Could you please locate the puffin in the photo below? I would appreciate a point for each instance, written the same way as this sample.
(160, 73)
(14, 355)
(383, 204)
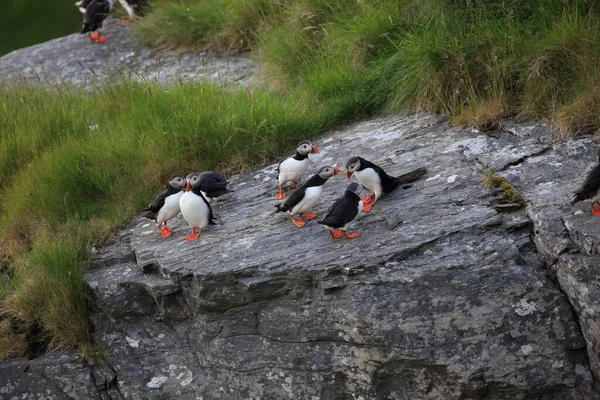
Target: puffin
(166, 205)
(213, 185)
(133, 8)
(292, 168)
(96, 12)
(373, 178)
(82, 5)
(343, 211)
(194, 207)
(305, 197)
(590, 187)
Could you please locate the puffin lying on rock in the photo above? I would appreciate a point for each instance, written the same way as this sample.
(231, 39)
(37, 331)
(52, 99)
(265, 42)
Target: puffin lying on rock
(213, 185)
(96, 12)
(343, 212)
(194, 207)
(292, 168)
(590, 187)
(304, 198)
(376, 179)
(166, 205)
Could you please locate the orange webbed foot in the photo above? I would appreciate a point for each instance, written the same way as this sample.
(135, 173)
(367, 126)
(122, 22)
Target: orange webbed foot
(368, 199)
(298, 222)
(166, 232)
(296, 185)
(94, 36)
(335, 234)
(193, 235)
(102, 39)
(310, 216)
(596, 208)
(123, 22)
(367, 207)
(280, 196)
(352, 235)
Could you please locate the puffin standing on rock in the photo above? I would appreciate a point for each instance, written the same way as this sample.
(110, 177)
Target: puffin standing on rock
(213, 185)
(590, 187)
(376, 179)
(96, 12)
(344, 211)
(304, 198)
(166, 205)
(194, 207)
(292, 168)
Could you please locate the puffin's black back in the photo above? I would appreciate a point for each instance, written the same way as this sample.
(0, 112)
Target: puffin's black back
(388, 182)
(213, 184)
(590, 186)
(95, 13)
(343, 211)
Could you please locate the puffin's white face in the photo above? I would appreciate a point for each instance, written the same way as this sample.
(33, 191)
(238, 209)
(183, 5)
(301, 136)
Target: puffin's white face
(328, 172)
(177, 181)
(305, 148)
(352, 166)
(192, 180)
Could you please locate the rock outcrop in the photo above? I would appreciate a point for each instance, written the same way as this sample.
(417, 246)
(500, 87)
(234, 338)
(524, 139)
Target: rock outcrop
(440, 298)
(75, 60)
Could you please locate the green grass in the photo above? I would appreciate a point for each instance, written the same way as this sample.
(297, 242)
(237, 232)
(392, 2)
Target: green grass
(75, 167)
(541, 57)
(66, 187)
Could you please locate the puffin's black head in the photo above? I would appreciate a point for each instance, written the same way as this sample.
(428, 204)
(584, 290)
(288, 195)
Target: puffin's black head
(192, 181)
(306, 147)
(327, 172)
(352, 165)
(353, 187)
(177, 181)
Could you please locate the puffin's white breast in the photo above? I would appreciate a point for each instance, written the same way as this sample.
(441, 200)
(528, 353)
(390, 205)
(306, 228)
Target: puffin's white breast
(370, 179)
(311, 196)
(170, 209)
(292, 170)
(194, 210)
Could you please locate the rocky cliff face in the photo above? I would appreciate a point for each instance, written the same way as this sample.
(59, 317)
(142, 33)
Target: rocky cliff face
(441, 297)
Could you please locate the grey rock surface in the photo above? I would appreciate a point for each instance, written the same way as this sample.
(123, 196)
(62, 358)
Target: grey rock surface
(441, 297)
(75, 60)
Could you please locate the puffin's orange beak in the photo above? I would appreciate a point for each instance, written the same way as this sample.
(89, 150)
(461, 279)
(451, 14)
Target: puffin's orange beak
(348, 174)
(336, 171)
(315, 149)
(188, 187)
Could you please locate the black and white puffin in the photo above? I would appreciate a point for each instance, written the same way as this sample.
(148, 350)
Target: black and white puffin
(373, 178)
(590, 187)
(213, 185)
(292, 168)
(194, 207)
(96, 12)
(82, 5)
(134, 8)
(343, 211)
(166, 205)
(305, 197)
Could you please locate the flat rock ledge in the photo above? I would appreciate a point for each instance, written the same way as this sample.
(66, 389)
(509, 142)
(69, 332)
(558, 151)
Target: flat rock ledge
(76, 61)
(441, 297)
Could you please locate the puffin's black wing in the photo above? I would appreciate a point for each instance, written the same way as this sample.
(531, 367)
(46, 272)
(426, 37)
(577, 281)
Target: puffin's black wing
(342, 212)
(156, 205)
(291, 202)
(213, 184)
(95, 13)
(590, 186)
